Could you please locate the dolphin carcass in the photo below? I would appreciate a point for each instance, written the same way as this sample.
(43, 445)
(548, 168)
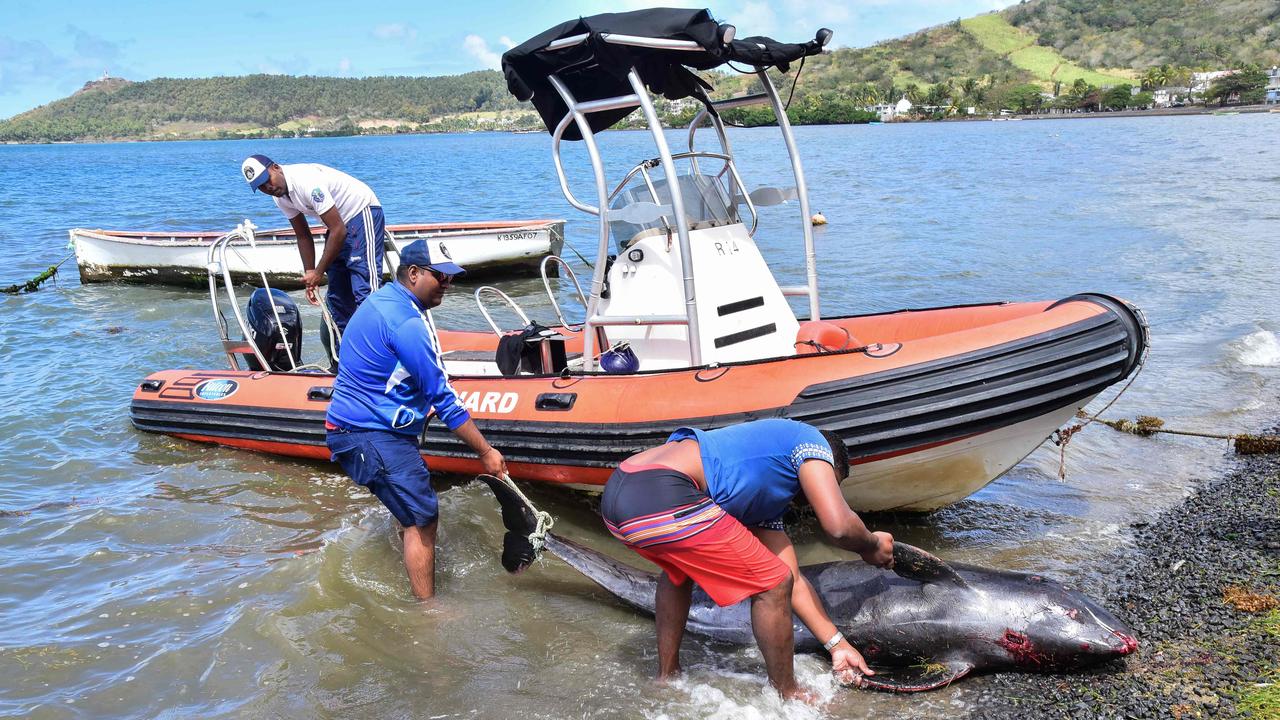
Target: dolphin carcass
(921, 626)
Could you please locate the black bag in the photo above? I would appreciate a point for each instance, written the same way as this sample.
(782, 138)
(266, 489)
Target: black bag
(521, 351)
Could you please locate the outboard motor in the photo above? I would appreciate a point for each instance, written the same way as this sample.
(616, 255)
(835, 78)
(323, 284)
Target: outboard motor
(271, 338)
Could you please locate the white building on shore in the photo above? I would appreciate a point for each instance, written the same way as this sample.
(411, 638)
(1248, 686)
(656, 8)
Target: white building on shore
(889, 111)
(1273, 86)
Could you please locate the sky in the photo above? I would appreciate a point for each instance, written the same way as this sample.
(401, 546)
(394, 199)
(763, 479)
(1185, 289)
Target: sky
(50, 49)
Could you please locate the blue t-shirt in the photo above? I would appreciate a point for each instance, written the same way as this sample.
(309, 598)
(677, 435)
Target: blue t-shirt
(753, 469)
(389, 371)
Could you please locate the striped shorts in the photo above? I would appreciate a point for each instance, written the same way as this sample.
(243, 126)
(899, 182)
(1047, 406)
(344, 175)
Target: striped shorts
(662, 515)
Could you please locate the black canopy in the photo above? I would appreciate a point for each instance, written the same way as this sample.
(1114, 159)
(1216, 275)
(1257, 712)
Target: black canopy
(595, 69)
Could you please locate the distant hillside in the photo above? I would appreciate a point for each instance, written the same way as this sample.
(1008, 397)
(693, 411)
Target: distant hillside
(256, 105)
(987, 61)
(1142, 33)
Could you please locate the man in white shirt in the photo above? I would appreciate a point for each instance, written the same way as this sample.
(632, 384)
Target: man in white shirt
(352, 216)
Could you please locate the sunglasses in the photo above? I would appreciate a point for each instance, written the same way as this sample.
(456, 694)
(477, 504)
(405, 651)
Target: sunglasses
(442, 278)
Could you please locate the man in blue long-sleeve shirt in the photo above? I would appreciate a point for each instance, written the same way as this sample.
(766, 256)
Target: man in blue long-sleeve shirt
(389, 378)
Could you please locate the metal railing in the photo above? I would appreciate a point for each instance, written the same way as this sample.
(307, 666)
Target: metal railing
(577, 115)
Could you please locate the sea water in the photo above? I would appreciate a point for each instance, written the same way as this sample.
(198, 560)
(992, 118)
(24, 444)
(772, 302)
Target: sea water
(146, 576)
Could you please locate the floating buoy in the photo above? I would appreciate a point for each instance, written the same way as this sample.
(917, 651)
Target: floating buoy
(818, 219)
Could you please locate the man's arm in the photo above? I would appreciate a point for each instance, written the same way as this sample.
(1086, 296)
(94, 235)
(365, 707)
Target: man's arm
(841, 524)
(306, 242)
(493, 462)
(335, 236)
(805, 603)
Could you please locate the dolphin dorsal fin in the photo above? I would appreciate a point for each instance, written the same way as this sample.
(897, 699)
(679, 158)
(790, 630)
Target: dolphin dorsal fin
(913, 563)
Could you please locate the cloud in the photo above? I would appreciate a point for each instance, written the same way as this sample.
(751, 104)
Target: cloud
(344, 66)
(478, 48)
(295, 65)
(403, 32)
(756, 18)
(26, 63)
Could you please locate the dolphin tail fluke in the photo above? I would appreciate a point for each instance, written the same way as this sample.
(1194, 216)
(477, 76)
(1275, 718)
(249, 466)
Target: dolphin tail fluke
(916, 678)
(913, 563)
(521, 520)
(633, 586)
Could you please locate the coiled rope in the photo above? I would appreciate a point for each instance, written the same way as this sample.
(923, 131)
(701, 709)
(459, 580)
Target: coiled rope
(538, 538)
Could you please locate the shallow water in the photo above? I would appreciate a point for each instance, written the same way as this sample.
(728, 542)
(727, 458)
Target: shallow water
(146, 576)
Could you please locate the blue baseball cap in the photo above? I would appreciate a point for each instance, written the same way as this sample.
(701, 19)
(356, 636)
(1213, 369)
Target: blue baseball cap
(419, 253)
(255, 172)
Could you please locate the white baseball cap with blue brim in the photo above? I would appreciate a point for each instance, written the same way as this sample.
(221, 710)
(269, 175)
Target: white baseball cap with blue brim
(254, 169)
(420, 253)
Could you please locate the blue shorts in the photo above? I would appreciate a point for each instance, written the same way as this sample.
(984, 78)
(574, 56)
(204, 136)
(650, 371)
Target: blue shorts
(389, 465)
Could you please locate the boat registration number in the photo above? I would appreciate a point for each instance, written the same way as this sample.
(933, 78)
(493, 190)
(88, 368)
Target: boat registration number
(526, 235)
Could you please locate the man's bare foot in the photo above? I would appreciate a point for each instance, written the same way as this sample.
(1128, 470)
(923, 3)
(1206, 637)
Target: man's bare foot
(668, 677)
(797, 692)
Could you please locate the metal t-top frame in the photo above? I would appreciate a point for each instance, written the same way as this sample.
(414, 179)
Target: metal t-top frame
(577, 114)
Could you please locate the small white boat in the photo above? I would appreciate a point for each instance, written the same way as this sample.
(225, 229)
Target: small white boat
(178, 258)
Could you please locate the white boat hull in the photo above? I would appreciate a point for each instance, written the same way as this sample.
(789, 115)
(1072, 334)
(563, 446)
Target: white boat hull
(935, 477)
(180, 258)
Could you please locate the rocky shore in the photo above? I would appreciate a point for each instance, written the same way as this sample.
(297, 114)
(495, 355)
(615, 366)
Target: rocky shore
(1200, 586)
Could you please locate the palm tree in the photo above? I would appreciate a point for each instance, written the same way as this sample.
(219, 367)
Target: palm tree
(1155, 77)
(912, 93)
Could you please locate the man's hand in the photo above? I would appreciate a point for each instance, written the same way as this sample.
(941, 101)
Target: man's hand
(882, 555)
(494, 463)
(311, 280)
(848, 665)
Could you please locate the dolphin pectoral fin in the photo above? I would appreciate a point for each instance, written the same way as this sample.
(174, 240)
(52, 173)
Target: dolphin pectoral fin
(913, 563)
(916, 678)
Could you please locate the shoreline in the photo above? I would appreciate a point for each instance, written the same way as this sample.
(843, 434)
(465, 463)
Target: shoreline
(1199, 586)
(1104, 114)
(1156, 112)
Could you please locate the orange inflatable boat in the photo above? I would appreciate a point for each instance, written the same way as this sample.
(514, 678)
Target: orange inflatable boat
(685, 325)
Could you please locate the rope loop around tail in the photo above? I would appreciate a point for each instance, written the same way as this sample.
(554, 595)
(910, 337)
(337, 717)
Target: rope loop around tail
(538, 538)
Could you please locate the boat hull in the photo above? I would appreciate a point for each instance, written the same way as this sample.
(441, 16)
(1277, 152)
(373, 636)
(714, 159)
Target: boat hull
(484, 248)
(943, 402)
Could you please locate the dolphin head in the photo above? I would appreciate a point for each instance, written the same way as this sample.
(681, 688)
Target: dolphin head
(1029, 622)
(1057, 627)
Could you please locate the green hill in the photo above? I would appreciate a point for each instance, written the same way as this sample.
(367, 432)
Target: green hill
(1144, 33)
(258, 105)
(996, 60)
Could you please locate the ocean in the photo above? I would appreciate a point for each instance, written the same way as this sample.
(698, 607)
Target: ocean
(145, 576)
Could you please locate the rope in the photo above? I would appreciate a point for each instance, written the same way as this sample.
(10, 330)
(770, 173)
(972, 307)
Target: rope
(1062, 436)
(34, 283)
(1244, 443)
(538, 538)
